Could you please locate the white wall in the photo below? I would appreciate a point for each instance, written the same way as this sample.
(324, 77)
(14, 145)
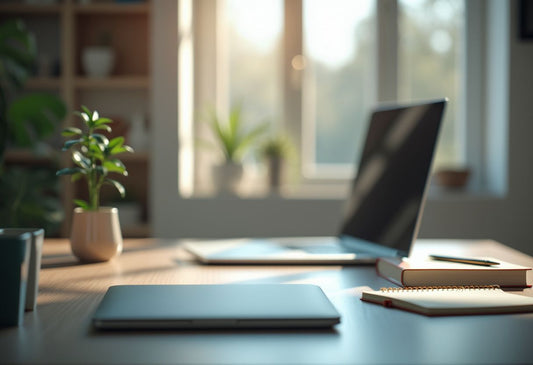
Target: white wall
(508, 219)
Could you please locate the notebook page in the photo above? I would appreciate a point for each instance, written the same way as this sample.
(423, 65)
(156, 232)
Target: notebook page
(459, 298)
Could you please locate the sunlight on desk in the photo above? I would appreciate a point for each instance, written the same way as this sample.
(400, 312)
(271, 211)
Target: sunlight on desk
(60, 331)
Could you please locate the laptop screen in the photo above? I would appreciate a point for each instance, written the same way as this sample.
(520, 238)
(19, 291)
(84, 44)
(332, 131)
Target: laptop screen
(389, 189)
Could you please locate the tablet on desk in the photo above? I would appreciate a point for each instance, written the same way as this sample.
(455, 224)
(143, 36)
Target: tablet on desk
(214, 306)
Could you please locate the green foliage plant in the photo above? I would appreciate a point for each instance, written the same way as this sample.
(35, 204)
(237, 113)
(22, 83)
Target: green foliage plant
(28, 194)
(94, 157)
(26, 118)
(232, 136)
(277, 146)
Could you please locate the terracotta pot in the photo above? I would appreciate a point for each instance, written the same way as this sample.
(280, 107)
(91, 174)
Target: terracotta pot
(96, 235)
(452, 178)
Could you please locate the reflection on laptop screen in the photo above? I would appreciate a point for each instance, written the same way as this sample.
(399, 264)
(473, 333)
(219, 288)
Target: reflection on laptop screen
(388, 192)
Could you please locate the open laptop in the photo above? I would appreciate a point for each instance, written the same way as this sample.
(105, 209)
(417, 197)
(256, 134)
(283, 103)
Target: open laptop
(383, 211)
(214, 306)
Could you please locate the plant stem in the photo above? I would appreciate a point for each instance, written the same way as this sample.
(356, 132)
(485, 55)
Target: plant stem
(94, 188)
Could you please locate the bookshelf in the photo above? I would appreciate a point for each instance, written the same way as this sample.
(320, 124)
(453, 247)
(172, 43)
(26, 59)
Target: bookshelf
(63, 29)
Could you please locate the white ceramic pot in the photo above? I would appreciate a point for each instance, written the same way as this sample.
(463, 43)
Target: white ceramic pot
(96, 235)
(98, 61)
(227, 177)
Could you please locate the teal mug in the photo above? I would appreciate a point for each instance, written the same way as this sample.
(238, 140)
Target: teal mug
(34, 268)
(14, 262)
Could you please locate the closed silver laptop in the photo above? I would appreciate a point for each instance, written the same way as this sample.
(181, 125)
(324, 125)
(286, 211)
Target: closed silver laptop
(214, 306)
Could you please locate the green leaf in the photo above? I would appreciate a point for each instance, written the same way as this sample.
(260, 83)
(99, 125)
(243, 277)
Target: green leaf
(69, 132)
(34, 117)
(117, 141)
(82, 204)
(18, 53)
(117, 185)
(102, 121)
(116, 146)
(100, 138)
(250, 137)
(83, 116)
(94, 117)
(81, 160)
(116, 165)
(86, 110)
(68, 171)
(77, 176)
(97, 150)
(121, 149)
(104, 127)
(71, 143)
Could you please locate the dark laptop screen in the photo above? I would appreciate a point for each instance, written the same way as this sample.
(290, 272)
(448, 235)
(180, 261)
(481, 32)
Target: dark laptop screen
(388, 192)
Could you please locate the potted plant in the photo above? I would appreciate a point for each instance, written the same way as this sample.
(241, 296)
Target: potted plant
(275, 150)
(95, 234)
(234, 140)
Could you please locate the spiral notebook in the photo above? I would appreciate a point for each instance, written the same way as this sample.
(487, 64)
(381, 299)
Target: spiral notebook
(446, 300)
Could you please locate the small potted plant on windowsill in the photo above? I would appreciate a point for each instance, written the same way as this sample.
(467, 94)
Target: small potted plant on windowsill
(95, 234)
(234, 140)
(276, 150)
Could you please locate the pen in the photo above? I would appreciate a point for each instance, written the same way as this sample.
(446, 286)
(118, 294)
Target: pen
(464, 260)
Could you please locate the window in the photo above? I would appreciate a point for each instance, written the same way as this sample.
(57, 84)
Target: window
(339, 49)
(249, 66)
(316, 68)
(430, 56)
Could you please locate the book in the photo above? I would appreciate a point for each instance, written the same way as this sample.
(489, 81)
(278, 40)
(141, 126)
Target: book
(445, 301)
(428, 272)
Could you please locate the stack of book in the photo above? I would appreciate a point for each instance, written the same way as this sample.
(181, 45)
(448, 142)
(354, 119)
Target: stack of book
(424, 272)
(433, 288)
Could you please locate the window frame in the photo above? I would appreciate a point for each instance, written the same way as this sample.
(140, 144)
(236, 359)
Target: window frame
(210, 83)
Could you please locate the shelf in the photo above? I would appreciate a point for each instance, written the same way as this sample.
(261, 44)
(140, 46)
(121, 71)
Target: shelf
(43, 83)
(29, 9)
(63, 29)
(113, 82)
(112, 8)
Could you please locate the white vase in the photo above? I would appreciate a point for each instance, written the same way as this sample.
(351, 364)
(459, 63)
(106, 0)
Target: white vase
(138, 134)
(98, 61)
(96, 235)
(227, 177)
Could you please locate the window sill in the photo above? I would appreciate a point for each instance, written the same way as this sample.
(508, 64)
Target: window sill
(340, 190)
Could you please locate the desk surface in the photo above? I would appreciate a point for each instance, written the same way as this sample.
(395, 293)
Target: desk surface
(59, 331)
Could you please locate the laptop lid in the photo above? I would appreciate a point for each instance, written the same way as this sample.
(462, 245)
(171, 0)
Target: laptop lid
(388, 193)
(214, 306)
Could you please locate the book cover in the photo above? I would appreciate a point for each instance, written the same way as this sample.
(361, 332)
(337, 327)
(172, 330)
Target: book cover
(428, 272)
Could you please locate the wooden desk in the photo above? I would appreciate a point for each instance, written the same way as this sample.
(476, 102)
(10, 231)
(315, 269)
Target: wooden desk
(59, 331)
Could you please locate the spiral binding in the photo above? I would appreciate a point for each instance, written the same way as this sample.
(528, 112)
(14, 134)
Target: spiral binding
(440, 288)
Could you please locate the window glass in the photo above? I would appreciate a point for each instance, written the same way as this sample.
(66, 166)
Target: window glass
(339, 82)
(430, 54)
(253, 44)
